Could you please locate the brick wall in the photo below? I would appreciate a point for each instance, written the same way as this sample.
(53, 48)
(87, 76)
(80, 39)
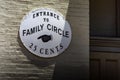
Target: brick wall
(15, 64)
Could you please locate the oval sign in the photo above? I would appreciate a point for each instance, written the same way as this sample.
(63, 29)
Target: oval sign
(45, 32)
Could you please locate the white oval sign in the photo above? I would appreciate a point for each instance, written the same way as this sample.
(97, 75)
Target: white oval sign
(45, 33)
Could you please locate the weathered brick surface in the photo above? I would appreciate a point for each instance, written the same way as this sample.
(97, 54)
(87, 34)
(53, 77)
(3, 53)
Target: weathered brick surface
(14, 65)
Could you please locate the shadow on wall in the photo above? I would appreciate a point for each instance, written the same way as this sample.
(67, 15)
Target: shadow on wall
(72, 65)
